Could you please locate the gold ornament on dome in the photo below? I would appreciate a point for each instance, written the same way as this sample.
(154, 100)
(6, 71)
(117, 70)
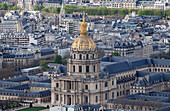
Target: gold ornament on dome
(83, 42)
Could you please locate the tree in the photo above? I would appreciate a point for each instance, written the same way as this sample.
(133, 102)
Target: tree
(43, 64)
(64, 60)
(36, 7)
(15, 7)
(45, 10)
(4, 6)
(115, 54)
(58, 59)
(123, 11)
(57, 10)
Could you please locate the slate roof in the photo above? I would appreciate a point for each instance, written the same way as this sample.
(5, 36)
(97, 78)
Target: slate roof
(39, 84)
(8, 84)
(119, 59)
(118, 67)
(24, 93)
(133, 62)
(154, 77)
(27, 78)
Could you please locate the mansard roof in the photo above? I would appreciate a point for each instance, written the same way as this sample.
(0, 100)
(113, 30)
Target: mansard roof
(8, 84)
(118, 67)
(27, 78)
(137, 63)
(146, 78)
(24, 93)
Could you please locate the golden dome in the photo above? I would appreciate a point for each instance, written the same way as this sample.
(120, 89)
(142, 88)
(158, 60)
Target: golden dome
(83, 42)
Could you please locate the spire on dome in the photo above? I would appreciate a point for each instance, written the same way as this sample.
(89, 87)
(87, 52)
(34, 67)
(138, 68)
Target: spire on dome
(83, 31)
(83, 16)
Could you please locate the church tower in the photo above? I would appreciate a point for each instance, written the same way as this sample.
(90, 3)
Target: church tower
(62, 11)
(84, 61)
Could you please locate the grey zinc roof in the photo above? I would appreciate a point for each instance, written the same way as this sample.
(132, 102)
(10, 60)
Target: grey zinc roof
(118, 67)
(18, 79)
(25, 93)
(8, 84)
(120, 59)
(161, 61)
(39, 84)
(27, 78)
(154, 77)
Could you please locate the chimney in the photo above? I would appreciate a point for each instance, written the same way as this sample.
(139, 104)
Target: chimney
(132, 36)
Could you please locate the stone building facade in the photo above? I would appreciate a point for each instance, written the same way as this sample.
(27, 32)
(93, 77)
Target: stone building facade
(84, 83)
(93, 80)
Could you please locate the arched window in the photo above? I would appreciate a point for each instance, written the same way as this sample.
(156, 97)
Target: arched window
(57, 85)
(57, 97)
(80, 56)
(74, 56)
(87, 56)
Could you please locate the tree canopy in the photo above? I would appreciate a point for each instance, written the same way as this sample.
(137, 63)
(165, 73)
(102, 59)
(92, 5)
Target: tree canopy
(58, 59)
(43, 64)
(4, 6)
(103, 10)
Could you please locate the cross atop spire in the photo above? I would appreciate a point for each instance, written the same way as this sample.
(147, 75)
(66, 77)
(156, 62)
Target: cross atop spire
(62, 4)
(83, 16)
(83, 31)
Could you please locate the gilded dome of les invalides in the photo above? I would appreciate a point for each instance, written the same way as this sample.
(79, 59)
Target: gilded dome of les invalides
(83, 43)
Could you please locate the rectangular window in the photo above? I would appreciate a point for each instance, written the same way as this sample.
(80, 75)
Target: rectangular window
(105, 96)
(105, 84)
(57, 85)
(112, 95)
(73, 68)
(94, 68)
(96, 99)
(80, 68)
(87, 68)
(86, 99)
(96, 86)
(112, 82)
(86, 87)
(57, 98)
(74, 56)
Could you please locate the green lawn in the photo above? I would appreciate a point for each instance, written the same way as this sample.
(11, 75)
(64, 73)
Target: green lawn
(33, 109)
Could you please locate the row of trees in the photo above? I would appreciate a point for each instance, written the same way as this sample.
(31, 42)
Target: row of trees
(4, 6)
(49, 9)
(103, 10)
(58, 60)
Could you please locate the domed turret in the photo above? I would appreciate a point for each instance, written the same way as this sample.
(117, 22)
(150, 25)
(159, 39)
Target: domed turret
(83, 43)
